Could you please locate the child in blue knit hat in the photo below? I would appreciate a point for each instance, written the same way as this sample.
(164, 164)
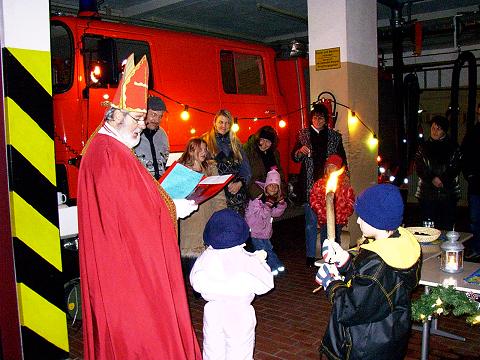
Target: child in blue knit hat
(370, 292)
(229, 277)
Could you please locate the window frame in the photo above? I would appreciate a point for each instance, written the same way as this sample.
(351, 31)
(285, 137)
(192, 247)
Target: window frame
(72, 57)
(235, 56)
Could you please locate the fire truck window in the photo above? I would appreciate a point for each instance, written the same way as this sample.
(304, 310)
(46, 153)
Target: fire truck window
(98, 58)
(62, 58)
(109, 54)
(228, 72)
(242, 73)
(124, 47)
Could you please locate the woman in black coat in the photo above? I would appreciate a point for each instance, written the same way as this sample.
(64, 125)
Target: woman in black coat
(262, 154)
(437, 163)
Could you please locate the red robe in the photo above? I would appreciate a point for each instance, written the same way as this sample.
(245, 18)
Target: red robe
(133, 293)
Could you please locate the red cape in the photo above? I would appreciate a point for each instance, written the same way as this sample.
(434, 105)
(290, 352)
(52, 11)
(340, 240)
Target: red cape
(133, 293)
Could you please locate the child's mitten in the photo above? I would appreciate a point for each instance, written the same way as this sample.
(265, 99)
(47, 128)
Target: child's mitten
(326, 274)
(270, 201)
(333, 253)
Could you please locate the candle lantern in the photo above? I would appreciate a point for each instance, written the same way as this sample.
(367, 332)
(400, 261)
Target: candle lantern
(452, 254)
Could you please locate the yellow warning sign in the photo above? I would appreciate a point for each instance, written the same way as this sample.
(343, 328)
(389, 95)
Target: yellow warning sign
(327, 59)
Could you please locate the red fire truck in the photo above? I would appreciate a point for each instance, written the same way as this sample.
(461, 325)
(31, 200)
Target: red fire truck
(201, 73)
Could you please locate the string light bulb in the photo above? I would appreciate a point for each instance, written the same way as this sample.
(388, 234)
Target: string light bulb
(193, 131)
(185, 115)
(373, 141)
(282, 123)
(352, 119)
(235, 126)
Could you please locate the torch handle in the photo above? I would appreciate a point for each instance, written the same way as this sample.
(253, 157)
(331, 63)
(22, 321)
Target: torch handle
(330, 216)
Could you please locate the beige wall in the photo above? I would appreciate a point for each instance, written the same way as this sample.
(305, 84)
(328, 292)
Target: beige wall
(356, 86)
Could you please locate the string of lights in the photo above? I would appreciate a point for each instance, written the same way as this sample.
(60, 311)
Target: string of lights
(188, 107)
(355, 115)
(185, 115)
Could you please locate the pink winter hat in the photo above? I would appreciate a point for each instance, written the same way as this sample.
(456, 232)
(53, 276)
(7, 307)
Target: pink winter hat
(273, 177)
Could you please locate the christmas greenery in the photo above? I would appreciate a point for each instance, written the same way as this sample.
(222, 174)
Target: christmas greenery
(443, 300)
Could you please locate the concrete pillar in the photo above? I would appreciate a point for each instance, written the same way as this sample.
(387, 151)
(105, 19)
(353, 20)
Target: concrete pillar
(351, 26)
(32, 309)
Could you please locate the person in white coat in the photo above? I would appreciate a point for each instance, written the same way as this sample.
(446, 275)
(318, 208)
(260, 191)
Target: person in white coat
(228, 277)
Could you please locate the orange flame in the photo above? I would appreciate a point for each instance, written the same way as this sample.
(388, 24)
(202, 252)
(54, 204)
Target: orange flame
(333, 180)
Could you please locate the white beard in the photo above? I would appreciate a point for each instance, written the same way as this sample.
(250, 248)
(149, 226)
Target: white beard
(129, 141)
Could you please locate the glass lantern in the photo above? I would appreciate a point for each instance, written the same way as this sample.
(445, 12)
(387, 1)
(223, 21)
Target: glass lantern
(452, 254)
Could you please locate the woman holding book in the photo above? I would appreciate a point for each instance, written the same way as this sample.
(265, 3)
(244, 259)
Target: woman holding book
(226, 148)
(197, 158)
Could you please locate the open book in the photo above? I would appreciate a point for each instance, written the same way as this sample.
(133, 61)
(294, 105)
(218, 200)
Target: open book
(181, 182)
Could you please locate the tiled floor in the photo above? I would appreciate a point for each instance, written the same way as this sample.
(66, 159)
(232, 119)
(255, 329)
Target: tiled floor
(292, 320)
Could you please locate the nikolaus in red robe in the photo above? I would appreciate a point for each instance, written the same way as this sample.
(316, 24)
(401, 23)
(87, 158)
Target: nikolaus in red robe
(133, 293)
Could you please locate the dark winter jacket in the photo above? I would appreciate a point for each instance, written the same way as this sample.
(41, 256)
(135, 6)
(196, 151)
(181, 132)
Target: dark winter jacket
(312, 166)
(441, 158)
(371, 307)
(470, 161)
(259, 173)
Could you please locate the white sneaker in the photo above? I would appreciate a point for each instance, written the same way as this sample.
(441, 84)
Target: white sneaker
(281, 268)
(274, 272)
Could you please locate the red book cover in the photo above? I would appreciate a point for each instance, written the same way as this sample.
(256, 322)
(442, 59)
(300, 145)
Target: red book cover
(209, 187)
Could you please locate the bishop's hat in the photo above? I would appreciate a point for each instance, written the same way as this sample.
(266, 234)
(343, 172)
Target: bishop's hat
(132, 91)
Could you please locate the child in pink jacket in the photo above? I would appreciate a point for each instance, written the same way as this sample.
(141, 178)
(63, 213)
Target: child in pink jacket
(259, 216)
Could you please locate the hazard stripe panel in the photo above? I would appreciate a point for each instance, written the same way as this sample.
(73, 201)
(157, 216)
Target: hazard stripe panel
(20, 133)
(35, 231)
(30, 184)
(35, 347)
(36, 62)
(33, 207)
(39, 275)
(42, 317)
(25, 90)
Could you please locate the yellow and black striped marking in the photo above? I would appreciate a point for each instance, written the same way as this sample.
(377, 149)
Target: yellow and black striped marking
(33, 207)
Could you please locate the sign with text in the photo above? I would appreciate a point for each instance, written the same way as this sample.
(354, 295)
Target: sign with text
(326, 59)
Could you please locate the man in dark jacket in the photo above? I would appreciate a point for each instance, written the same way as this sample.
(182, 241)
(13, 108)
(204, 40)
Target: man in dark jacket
(314, 144)
(370, 293)
(437, 163)
(153, 148)
(471, 172)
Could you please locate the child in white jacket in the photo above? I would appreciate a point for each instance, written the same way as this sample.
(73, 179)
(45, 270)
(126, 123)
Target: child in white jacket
(228, 277)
